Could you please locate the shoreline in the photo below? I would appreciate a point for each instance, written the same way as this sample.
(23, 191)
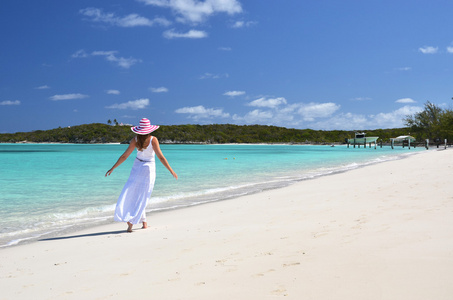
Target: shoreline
(188, 201)
(431, 146)
(167, 142)
(383, 231)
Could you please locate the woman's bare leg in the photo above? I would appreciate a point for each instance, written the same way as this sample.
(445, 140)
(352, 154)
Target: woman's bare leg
(145, 225)
(129, 227)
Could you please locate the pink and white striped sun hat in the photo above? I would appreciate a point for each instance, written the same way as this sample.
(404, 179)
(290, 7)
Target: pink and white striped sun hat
(145, 127)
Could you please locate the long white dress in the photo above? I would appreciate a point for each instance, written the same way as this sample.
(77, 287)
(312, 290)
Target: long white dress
(137, 191)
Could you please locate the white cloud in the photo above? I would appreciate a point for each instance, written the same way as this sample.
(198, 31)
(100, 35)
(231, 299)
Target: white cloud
(191, 34)
(404, 69)
(395, 118)
(225, 48)
(159, 89)
(240, 24)
(135, 20)
(125, 63)
(68, 97)
(200, 112)
(111, 56)
(405, 100)
(108, 54)
(214, 76)
(9, 102)
(135, 104)
(80, 54)
(234, 93)
(450, 49)
(196, 11)
(350, 121)
(113, 92)
(278, 112)
(317, 110)
(428, 50)
(43, 87)
(362, 99)
(270, 103)
(321, 116)
(132, 20)
(343, 121)
(256, 116)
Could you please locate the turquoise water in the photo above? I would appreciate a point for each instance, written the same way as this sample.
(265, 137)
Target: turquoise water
(50, 189)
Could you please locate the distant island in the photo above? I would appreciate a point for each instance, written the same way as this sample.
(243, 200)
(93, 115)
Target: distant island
(194, 134)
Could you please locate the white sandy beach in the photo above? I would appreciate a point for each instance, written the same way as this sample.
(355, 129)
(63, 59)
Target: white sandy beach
(380, 232)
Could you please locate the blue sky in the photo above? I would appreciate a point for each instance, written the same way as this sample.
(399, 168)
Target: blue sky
(324, 64)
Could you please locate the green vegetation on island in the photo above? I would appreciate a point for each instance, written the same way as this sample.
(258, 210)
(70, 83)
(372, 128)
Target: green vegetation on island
(432, 123)
(210, 134)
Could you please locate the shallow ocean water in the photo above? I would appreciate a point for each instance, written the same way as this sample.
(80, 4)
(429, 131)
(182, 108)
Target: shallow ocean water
(49, 189)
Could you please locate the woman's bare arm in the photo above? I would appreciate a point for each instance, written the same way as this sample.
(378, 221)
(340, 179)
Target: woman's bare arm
(123, 157)
(160, 155)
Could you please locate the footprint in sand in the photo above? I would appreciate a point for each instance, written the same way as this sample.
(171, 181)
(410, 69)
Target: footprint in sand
(291, 264)
(263, 254)
(280, 291)
(263, 273)
(320, 234)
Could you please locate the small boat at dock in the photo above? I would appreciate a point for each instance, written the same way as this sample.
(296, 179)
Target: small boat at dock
(361, 138)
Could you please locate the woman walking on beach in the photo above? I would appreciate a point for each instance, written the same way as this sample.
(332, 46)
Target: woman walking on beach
(136, 192)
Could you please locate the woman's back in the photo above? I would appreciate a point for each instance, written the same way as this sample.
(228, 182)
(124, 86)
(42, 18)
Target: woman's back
(147, 154)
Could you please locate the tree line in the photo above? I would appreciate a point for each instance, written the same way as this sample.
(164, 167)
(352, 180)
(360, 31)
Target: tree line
(434, 123)
(209, 134)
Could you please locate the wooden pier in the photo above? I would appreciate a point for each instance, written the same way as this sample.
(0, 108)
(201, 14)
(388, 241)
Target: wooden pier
(403, 140)
(364, 142)
(361, 139)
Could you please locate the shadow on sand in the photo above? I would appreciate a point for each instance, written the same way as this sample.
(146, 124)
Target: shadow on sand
(83, 235)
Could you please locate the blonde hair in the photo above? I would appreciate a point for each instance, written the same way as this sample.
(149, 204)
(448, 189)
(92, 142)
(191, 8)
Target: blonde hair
(141, 139)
